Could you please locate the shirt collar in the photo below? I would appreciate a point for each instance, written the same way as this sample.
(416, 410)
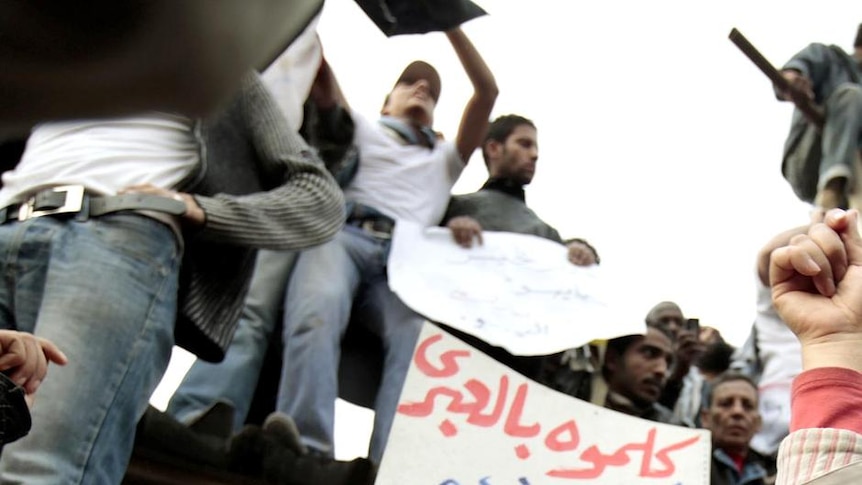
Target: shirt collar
(410, 134)
(507, 186)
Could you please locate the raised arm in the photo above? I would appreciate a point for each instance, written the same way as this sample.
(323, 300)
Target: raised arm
(325, 91)
(477, 112)
(817, 289)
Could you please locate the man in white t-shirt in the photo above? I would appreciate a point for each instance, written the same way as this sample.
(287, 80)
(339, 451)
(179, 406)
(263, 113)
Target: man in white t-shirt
(405, 173)
(124, 236)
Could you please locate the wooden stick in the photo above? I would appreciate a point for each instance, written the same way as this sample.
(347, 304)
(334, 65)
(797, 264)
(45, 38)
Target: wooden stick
(811, 111)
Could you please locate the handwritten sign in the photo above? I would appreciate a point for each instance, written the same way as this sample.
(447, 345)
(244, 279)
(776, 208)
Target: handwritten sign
(516, 291)
(465, 419)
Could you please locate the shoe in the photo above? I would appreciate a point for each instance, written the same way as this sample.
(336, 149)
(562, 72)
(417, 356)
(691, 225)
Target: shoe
(260, 453)
(216, 421)
(281, 427)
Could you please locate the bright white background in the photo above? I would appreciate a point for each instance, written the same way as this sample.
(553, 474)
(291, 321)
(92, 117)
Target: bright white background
(660, 142)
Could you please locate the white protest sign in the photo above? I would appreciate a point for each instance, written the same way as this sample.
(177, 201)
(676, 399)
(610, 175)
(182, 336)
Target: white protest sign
(464, 419)
(515, 291)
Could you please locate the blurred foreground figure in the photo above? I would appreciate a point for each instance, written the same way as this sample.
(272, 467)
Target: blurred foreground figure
(104, 58)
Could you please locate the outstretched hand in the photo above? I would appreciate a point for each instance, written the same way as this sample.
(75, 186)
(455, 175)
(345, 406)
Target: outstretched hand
(817, 289)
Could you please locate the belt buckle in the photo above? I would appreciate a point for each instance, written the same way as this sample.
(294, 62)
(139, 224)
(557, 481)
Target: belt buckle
(73, 202)
(368, 227)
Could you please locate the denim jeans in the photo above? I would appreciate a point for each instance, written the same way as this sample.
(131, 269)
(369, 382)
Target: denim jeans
(233, 380)
(319, 297)
(842, 134)
(105, 291)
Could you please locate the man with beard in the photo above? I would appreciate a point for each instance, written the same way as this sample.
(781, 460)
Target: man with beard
(636, 368)
(683, 388)
(510, 151)
(731, 414)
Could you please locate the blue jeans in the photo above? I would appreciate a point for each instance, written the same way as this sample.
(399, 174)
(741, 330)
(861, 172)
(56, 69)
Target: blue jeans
(319, 297)
(234, 379)
(105, 291)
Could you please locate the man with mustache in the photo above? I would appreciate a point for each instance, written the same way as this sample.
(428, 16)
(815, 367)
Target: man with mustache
(636, 368)
(731, 414)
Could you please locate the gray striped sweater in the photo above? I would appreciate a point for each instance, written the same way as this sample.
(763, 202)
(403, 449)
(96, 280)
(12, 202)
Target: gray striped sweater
(260, 186)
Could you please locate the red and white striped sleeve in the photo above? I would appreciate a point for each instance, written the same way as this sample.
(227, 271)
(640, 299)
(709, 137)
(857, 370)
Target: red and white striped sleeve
(826, 425)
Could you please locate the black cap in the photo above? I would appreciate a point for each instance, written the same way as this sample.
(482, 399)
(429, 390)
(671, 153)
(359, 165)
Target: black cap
(858, 42)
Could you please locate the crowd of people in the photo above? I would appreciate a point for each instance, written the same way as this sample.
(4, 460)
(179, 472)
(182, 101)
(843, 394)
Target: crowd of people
(266, 226)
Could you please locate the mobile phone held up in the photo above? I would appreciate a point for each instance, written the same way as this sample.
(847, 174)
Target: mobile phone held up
(693, 325)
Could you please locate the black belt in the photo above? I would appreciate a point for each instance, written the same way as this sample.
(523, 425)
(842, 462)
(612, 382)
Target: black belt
(72, 199)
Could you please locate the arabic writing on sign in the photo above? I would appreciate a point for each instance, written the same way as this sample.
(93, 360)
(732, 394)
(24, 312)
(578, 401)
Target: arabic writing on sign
(538, 301)
(480, 404)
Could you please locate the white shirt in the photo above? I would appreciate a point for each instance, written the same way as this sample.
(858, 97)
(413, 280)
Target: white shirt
(105, 155)
(404, 182)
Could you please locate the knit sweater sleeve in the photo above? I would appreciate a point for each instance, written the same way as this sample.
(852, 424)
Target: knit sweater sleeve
(304, 209)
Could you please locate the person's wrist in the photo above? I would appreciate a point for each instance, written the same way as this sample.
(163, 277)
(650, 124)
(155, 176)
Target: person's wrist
(833, 351)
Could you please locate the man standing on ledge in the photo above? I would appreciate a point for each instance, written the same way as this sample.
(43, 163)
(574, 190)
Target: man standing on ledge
(405, 173)
(830, 77)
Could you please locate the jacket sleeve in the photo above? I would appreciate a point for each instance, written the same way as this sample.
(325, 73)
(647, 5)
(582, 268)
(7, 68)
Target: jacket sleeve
(814, 62)
(825, 425)
(305, 208)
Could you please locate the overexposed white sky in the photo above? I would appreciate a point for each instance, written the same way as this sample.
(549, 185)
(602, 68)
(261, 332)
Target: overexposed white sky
(660, 143)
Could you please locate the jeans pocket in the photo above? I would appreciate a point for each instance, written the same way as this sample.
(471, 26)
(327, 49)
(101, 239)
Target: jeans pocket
(141, 239)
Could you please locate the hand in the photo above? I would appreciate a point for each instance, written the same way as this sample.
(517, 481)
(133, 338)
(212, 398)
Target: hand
(464, 230)
(801, 90)
(817, 290)
(687, 349)
(709, 336)
(25, 358)
(193, 215)
(580, 254)
(323, 90)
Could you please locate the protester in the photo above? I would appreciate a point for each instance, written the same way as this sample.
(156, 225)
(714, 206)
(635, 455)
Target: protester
(398, 154)
(730, 413)
(636, 368)
(684, 386)
(511, 153)
(817, 289)
(716, 356)
(199, 396)
(105, 59)
(830, 77)
(94, 258)
(771, 356)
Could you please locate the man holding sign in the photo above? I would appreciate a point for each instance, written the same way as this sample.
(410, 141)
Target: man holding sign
(510, 150)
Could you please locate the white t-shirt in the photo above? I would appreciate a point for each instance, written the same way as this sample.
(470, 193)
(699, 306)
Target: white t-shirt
(781, 356)
(290, 77)
(105, 155)
(404, 182)
(780, 351)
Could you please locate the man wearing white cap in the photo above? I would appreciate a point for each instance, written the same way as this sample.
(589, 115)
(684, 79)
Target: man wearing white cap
(405, 173)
